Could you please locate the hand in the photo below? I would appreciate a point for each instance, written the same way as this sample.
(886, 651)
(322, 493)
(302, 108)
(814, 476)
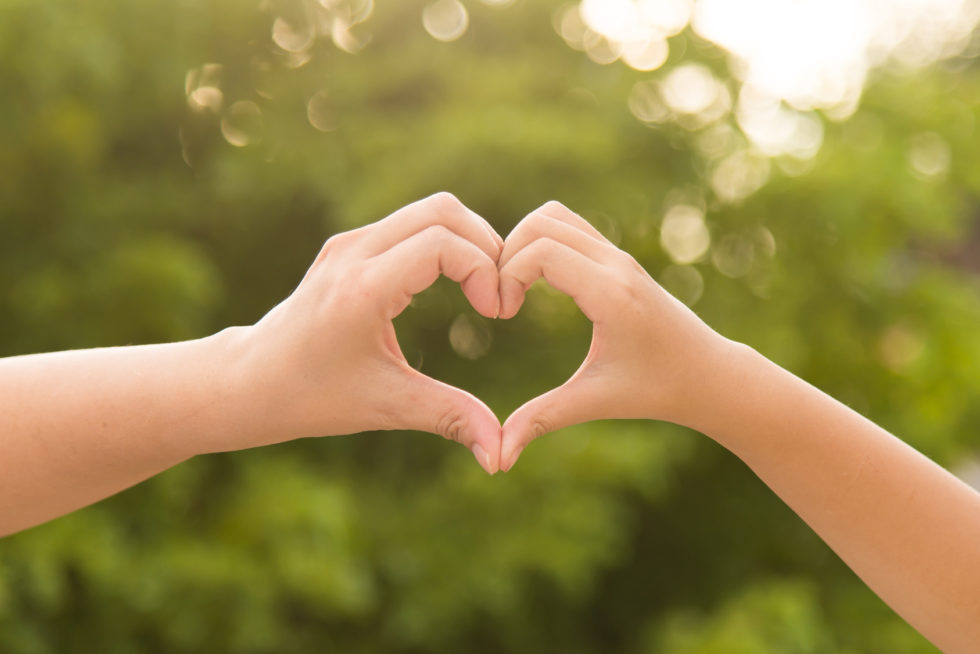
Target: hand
(326, 360)
(649, 353)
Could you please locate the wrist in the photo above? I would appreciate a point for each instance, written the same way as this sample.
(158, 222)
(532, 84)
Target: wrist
(713, 389)
(746, 400)
(238, 414)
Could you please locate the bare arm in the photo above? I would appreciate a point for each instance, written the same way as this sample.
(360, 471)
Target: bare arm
(906, 526)
(78, 426)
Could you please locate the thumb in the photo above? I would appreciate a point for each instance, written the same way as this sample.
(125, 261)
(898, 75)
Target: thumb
(569, 404)
(430, 405)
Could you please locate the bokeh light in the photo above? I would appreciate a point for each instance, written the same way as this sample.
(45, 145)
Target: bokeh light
(202, 87)
(675, 146)
(683, 282)
(241, 124)
(635, 31)
(733, 255)
(319, 112)
(445, 20)
(899, 347)
(775, 129)
(333, 19)
(469, 337)
(929, 156)
(684, 234)
(695, 95)
(788, 60)
(739, 175)
(292, 37)
(817, 53)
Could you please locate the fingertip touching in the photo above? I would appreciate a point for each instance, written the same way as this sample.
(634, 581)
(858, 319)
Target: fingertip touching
(463, 418)
(451, 209)
(526, 424)
(480, 432)
(512, 293)
(481, 289)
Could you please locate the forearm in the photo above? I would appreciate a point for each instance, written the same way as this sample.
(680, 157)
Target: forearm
(906, 526)
(909, 528)
(78, 426)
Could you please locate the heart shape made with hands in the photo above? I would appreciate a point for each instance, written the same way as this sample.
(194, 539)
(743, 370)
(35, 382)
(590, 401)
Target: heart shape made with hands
(555, 244)
(534, 351)
(648, 350)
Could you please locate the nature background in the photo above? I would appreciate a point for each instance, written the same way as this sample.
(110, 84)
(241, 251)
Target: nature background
(806, 175)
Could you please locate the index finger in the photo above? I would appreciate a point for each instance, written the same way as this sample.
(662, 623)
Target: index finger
(414, 264)
(566, 269)
(439, 209)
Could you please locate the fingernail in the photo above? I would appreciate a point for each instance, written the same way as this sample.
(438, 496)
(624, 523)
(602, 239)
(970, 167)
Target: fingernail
(513, 459)
(482, 457)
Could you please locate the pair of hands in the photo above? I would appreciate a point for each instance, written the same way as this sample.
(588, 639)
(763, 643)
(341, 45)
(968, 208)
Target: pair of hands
(326, 360)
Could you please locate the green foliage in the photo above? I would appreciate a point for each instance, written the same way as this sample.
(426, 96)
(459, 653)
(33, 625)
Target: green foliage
(126, 216)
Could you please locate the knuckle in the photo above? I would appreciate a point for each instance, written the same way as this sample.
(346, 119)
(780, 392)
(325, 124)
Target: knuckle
(630, 266)
(636, 278)
(542, 246)
(621, 294)
(538, 224)
(437, 235)
(540, 426)
(444, 201)
(554, 207)
(630, 295)
(530, 257)
(340, 241)
(355, 290)
(451, 426)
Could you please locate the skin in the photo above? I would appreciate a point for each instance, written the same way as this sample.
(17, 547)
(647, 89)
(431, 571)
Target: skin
(905, 525)
(78, 426)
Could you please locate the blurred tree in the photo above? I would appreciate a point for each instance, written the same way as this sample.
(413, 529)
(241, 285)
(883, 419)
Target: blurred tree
(172, 168)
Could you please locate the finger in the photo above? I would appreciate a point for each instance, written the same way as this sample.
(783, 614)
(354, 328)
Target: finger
(439, 209)
(558, 211)
(538, 225)
(570, 404)
(583, 279)
(426, 404)
(414, 264)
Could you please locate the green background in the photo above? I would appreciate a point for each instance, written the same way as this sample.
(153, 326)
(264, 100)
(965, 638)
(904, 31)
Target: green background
(126, 217)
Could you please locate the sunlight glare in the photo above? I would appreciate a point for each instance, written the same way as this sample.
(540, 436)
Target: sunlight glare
(692, 90)
(775, 129)
(646, 55)
(635, 31)
(791, 59)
